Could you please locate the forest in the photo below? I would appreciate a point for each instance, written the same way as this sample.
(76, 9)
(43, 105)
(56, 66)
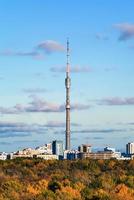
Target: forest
(37, 179)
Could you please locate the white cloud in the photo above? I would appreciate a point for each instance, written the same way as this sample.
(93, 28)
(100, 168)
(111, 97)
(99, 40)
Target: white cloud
(75, 69)
(126, 31)
(38, 105)
(50, 46)
(117, 101)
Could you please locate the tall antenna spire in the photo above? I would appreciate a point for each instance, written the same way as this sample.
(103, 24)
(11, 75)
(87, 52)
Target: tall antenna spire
(68, 67)
(67, 84)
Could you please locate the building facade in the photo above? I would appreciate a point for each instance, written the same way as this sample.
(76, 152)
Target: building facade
(130, 148)
(85, 148)
(57, 147)
(3, 156)
(99, 155)
(47, 149)
(47, 156)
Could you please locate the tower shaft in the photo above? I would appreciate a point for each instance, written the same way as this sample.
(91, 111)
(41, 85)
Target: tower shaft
(67, 84)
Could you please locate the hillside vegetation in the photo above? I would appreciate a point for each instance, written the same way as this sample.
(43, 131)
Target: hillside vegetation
(31, 179)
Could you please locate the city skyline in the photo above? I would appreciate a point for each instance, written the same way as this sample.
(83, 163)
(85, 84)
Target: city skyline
(33, 66)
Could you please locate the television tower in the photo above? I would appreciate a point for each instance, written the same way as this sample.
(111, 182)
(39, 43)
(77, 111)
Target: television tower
(67, 84)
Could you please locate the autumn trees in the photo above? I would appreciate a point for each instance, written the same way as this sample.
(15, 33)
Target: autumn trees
(37, 179)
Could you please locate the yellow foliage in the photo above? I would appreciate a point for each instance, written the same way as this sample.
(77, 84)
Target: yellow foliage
(32, 190)
(38, 188)
(41, 185)
(66, 180)
(73, 193)
(101, 193)
(79, 186)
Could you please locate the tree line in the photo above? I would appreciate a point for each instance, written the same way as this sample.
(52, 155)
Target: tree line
(37, 179)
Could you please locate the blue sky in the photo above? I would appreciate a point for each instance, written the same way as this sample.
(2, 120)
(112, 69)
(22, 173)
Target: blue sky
(32, 64)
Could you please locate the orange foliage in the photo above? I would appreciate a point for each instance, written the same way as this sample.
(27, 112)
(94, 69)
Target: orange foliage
(123, 192)
(111, 164)
(131, 164)
(41, 185)
(32, 190)
(37, 188)
(69, 191)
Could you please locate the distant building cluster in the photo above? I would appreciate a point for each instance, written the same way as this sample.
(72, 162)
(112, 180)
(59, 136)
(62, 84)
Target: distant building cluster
(55, 151)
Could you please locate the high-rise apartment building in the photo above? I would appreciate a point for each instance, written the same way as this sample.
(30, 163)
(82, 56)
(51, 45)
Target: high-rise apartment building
(130, 148)
(57, 147)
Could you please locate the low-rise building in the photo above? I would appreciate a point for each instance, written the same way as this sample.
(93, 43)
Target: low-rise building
(124, 158)
(47, 149)
(86, 148)
(27, 151)
(116, 154)
(98, 155)
(3, 156)
(47, 156)
(22, 156)
(71, 154)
